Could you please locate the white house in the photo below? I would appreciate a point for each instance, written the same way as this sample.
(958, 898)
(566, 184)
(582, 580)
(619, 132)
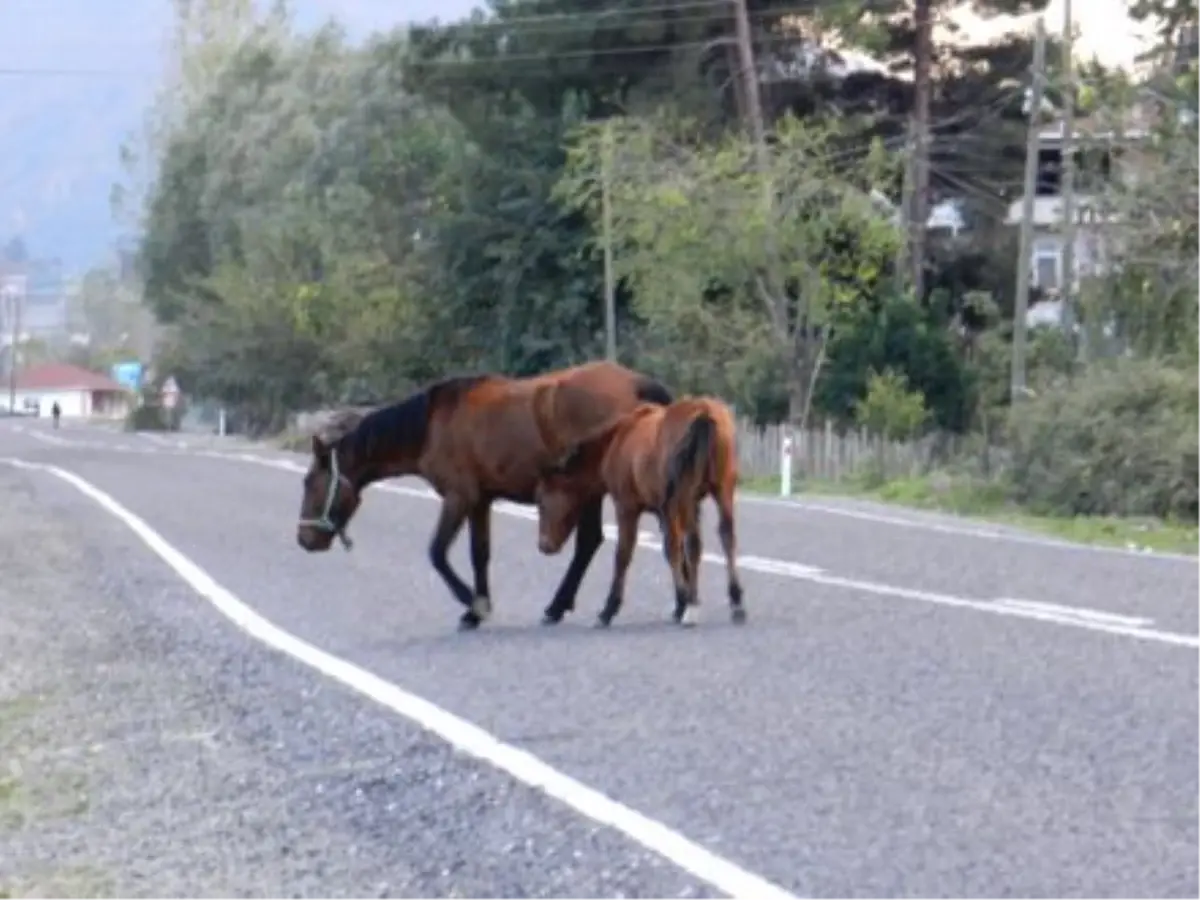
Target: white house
(80, 394)
(1091, 250)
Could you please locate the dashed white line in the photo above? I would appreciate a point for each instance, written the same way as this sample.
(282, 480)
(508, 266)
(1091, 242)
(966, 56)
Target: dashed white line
(464, 736)
(1078, 612)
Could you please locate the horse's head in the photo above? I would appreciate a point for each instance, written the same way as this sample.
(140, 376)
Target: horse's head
(560, 493)
(331, 495)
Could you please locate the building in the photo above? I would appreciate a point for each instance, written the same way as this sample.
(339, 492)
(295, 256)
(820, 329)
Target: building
(1099, 160)
(80, 394)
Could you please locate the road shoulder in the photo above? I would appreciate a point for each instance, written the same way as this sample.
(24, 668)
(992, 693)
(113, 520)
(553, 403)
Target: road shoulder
(148, 749)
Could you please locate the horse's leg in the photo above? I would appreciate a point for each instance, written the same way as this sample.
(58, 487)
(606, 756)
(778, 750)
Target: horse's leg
(726, 532)
(676, 551)
(627, 532)
(589, 535)
(480, 523)
(449, 523)
(664, 535)
(692, 549)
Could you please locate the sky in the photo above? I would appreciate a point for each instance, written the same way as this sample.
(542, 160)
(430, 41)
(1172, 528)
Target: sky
(60, 131)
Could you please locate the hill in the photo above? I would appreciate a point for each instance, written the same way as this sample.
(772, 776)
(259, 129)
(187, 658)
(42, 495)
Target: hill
(75, 78)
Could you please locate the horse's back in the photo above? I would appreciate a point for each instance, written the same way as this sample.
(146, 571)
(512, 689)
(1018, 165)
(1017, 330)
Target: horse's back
(574, 404)
(501, 430)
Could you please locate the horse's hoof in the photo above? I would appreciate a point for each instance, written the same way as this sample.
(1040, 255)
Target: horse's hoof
(602, 622)
(737, 615)
(551, 618)
(689, 618)
(468, 621)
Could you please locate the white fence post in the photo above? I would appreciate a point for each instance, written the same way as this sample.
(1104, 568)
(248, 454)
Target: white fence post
(785, 464)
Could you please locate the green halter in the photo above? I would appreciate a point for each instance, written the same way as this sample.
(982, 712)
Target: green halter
(325, 521)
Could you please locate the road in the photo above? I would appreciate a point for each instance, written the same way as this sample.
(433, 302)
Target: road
(918, 706)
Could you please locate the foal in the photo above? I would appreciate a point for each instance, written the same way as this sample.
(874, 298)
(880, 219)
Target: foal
(660, 459)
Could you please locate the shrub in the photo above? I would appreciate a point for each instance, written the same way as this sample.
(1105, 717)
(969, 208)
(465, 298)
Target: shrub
(146, 417)
(890, 409)
(1120, 439)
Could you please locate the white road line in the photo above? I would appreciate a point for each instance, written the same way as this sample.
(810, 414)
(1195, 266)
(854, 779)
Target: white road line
(1029, 610)
(965, 530)
(1078, 612)
(462, 735)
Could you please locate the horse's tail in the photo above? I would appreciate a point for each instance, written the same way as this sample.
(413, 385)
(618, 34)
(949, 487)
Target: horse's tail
(689, 464)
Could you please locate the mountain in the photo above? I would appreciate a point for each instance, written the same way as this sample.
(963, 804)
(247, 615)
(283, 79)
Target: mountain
(75, 79)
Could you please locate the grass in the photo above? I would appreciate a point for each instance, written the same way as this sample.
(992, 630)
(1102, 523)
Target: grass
(34, 792)
(37, 791)
(988, 502)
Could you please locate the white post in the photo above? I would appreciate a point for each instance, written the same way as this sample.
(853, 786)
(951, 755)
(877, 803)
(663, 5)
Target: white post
(785, 465)
(221, 422)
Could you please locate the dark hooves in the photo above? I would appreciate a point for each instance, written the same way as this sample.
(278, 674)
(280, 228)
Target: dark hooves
(602, 622)
(469, 621)
(551, 618)
(738, 615)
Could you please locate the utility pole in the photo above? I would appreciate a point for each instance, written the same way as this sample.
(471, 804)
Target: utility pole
(923, 19)
(749, 75)
(906, 211)
(610, 287)
(1070, 306)
(1037, 77)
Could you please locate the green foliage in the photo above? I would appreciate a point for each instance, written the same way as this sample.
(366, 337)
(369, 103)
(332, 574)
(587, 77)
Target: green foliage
(889, 408)
(897, 335)
(147, 417)
(738, 260)
(1121, 440)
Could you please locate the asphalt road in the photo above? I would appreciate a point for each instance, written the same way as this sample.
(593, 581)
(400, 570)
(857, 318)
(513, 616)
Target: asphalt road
(918, 707)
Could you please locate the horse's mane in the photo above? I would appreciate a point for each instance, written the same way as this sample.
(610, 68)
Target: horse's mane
(404, 423)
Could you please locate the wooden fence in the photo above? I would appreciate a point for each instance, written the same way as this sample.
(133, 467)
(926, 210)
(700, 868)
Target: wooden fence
(821, 454)
(824, 454)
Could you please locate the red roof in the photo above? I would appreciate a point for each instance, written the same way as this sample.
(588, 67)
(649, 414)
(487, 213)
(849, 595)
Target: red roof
(64, 377)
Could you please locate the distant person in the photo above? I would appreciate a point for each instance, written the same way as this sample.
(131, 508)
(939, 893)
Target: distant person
(55, 411)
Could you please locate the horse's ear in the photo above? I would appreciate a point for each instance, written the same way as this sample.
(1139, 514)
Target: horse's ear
(320, 449)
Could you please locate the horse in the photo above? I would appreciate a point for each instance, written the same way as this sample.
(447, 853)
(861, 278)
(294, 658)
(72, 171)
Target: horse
(474, 439)
(659, 459)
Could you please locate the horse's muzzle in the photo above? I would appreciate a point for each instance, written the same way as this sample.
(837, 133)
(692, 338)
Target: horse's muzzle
(312, 542)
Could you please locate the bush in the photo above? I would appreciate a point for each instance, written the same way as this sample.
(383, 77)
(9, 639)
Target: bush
(146, 418)
(1120, 439)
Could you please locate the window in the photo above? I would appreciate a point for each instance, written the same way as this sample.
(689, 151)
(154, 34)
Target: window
(1047, 265)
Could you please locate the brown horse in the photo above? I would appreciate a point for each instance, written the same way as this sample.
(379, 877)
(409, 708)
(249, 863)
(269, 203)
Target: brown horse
(658, 459)
(475, 440)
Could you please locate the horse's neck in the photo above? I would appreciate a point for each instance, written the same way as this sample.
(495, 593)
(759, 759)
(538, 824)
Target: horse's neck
(369, 467)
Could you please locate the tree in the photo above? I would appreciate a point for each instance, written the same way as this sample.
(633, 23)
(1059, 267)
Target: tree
(707, 259)
(1149, 207)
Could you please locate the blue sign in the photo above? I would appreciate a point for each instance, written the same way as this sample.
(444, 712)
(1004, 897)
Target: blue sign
(128, 374)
